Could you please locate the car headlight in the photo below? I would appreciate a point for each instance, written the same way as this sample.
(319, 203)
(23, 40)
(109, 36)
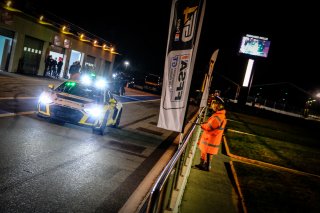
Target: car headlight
(45, 98)
(101, 84)
(86, 80)
(94, 111)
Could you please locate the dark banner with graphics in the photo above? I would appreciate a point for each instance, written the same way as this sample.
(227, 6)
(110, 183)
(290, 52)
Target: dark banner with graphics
(184, 26)
(184, 32)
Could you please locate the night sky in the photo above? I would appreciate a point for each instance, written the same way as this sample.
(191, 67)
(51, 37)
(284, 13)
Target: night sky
(139, 30)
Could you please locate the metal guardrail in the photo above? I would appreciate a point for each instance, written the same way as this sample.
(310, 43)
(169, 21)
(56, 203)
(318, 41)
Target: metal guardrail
(164, 193)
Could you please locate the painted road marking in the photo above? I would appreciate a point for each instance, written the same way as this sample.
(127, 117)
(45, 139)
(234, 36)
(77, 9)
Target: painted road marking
(18, 113)
(12, 98)
(244, 133)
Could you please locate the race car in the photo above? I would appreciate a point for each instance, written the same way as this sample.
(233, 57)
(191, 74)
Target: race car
(81, 103)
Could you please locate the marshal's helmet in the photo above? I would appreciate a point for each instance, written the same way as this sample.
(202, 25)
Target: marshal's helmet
(219, 101)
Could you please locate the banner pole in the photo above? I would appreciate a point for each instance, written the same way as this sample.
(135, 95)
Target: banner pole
(203, 6)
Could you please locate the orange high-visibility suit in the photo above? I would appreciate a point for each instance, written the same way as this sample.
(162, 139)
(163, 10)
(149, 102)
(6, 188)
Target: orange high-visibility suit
(210, 140)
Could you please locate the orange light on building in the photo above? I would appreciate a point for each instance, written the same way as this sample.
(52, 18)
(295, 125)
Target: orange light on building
(96, 44)
(65, 30)
(83, 38)
(41, 21)
(110, 49)
(7, 6)
(105, 47)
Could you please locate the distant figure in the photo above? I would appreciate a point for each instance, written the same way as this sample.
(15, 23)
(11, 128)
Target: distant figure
(211, 137)
(21, 64)
(122, 84)
(59, 67)
(306, 109)
(54, 67)
(47, 65)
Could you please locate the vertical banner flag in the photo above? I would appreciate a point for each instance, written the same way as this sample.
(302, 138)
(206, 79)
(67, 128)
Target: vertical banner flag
(184, 32)
(208, 79)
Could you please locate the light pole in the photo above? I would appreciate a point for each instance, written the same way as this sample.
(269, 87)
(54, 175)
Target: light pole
(126, 64)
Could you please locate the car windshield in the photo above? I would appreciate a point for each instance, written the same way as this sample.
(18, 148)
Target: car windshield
(81, 90)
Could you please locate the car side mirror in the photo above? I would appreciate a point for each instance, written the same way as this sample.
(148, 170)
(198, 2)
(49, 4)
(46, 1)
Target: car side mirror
(51, 86)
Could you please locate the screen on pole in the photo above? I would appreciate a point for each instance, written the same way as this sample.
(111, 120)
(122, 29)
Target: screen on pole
(255, 46)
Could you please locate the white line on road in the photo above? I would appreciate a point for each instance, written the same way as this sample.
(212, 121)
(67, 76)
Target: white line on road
(15, 114)
(11, 98)
(240, 132)
(133, 102)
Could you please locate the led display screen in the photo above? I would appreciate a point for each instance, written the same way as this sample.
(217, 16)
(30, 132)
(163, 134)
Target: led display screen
(254, 45)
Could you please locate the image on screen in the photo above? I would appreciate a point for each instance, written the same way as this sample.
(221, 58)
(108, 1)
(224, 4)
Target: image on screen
(254, 46)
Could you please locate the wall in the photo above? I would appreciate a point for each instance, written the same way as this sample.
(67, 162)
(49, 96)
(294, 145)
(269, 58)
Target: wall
(26, 25)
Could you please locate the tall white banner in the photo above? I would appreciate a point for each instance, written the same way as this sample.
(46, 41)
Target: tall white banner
(208, 79)
(184, 32)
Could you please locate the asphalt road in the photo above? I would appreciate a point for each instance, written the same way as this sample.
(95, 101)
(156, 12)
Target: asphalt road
(49, 167)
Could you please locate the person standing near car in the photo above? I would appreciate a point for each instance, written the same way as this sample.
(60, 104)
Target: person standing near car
(47, 65)
(122, 84)
(54, 67)
(59, 67)
(210, 139)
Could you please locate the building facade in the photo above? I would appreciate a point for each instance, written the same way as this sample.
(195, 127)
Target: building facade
(26, 41)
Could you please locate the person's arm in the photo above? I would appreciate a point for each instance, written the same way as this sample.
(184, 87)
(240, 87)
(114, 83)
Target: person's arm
(213, 123)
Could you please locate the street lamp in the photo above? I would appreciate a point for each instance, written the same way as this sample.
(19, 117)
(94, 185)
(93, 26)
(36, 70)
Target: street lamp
(126, 64)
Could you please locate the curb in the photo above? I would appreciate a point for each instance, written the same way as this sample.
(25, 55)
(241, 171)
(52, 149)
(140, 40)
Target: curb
(235, 177)
(264, 164)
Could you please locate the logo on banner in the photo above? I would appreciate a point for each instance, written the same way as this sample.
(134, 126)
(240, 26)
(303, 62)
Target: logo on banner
(179, 66)
(189, 24)
(177, 35)
(190, 15)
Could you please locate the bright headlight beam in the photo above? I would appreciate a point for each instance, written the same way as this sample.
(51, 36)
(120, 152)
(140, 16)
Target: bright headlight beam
(101, 84)
(44, 98)
(86, 80)
(94, 111)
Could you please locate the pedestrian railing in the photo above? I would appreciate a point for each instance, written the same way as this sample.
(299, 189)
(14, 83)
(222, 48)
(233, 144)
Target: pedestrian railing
(168, 189)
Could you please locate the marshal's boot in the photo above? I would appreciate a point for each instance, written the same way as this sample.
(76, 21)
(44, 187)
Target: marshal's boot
(201, 165)
(208, 163)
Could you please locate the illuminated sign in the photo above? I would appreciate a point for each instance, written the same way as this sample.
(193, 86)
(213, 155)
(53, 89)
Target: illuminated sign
(255, 46)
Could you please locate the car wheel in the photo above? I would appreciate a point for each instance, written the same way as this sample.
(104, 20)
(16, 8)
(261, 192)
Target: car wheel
(116, 125)
(40, 115)
(100, 130)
